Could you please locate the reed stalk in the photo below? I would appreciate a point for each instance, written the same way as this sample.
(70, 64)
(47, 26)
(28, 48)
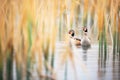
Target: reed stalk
(29, 48)
(114, 42)
(105, 44)
(86, 4)
(66, 70)
(1, 63)
(9, 65)
(118, 36)
(100, 28)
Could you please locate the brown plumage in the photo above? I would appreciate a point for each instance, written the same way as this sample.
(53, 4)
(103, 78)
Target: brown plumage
(77, 41)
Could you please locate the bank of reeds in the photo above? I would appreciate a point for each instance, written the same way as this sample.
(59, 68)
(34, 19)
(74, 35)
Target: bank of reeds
(26, 32)
(29, 29)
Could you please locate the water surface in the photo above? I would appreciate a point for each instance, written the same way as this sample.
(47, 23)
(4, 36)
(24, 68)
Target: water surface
(87, 64)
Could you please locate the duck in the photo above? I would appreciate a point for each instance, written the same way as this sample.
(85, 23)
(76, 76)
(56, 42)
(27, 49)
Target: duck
(85, 41)
(76, 41)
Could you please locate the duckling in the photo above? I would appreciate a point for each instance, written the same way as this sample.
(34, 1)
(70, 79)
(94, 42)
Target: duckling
(75, 40)
(85, 41)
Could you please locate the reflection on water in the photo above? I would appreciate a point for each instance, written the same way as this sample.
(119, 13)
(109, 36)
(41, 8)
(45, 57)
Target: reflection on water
(85, 56)
(88, 65)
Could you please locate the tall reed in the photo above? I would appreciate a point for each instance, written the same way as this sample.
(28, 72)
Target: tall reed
(119, 36)
(85, 16)
(1, 63)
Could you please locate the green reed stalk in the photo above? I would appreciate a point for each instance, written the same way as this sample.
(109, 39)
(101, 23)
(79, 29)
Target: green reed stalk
(101, 45)
(10, 64)
(114, 43)
(117, 42)
(46, 55)
(19, 73)
(53, 58)
(1, 63)
(105, 49)
(52, 61)
(100, 42)
(105, 44)
(29, 49)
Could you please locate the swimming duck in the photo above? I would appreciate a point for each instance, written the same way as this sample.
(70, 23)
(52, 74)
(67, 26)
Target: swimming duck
(74, 39)
(85, 41)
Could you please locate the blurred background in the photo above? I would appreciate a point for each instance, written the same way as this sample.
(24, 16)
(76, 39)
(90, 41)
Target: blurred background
(34, 40)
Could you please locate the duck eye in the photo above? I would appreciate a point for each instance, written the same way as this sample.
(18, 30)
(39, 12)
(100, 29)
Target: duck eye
(86, 30)
(72, 34)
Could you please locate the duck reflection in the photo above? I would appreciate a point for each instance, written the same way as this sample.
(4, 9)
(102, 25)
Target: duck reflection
(102, 68)
(85, 56)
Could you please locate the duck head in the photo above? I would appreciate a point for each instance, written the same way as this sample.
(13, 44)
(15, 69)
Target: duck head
(72, 33)
(85, 29)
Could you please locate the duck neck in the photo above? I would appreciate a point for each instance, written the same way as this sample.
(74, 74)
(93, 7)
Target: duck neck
(84, 34)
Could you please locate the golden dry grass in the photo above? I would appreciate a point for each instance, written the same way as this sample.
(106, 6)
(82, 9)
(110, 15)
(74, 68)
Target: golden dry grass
(30, 25)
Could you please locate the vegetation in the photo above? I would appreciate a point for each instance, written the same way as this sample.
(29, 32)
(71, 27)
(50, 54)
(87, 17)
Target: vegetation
(29, 29)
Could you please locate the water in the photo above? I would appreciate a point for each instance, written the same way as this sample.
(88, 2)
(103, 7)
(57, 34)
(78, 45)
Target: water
(87, 65)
